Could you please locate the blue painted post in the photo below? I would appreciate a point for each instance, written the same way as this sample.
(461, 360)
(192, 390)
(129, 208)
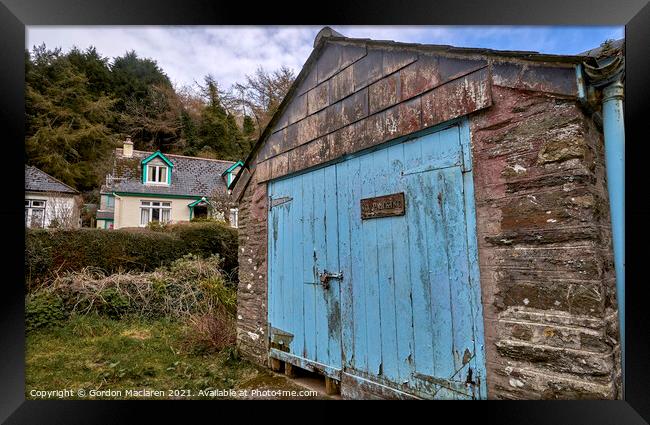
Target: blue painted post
(614, 132)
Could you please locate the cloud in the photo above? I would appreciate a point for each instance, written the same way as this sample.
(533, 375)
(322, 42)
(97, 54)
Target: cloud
(229, 53)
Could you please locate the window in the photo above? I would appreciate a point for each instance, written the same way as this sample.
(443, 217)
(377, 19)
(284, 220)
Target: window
(155, 211)
(108, 202)
(157, 174)
(234, 217)
(34, 213)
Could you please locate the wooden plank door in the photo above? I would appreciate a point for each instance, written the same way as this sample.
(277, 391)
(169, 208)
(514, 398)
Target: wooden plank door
(410, 301)
(304, 312)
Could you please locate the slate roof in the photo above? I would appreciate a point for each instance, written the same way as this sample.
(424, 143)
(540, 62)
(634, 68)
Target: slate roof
(190, 176)
(39, 181)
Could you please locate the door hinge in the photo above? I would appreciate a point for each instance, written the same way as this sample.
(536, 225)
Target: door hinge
(279, 201)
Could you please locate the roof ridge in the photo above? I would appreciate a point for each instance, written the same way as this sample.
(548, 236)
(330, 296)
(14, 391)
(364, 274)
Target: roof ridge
(183, 156)
(449, 48)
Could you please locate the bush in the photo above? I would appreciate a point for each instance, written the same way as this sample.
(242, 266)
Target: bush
(49, 252)
(210, 332)
(42, 310)
(210, 238)
(189, 286)
(113, 303)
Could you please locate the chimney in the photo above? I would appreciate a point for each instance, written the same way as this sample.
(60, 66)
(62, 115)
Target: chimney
(127, 151)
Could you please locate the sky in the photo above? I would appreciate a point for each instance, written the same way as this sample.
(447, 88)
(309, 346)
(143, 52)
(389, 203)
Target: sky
(229, 53)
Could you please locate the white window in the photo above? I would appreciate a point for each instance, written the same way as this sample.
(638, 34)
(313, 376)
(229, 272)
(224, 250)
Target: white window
(157, 174)
(34, 213)
(234, 217)
(155, 211)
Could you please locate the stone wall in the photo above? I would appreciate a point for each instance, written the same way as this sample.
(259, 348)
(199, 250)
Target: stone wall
(545, 257)
(251, 292)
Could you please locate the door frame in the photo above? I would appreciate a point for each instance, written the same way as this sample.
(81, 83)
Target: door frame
(472, 253)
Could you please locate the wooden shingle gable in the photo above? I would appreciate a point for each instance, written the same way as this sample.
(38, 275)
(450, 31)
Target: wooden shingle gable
(352, 94)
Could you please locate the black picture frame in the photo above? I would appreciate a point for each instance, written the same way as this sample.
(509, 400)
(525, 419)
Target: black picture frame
(15, 15)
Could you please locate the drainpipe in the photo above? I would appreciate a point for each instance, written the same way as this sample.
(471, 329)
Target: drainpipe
(614, 134)
(609, 75)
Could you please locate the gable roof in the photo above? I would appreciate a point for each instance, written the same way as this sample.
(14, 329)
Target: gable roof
(192, 177)
(39, 181)
(328, 37)
(160, 155)
(232, 167)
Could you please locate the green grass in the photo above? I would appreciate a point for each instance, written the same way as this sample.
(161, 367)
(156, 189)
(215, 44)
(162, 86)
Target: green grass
(96, 353)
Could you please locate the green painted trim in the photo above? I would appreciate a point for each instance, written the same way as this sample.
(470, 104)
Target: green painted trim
(157, 154)
(156, 195)
(145, 167)
(232, 167)
(165, 160)
(193, 204)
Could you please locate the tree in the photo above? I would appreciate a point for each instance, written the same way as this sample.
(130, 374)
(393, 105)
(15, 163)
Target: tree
(147, 106)
(218, 132)
(64, 212)
(66, 133)
(154, 120)
(96, 69)
(133, 76)
(261, 94)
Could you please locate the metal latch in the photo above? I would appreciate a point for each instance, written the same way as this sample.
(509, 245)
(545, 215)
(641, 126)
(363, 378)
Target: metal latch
(325, 276)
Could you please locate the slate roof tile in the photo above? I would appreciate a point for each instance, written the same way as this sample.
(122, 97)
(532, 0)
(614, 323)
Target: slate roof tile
(39, 181)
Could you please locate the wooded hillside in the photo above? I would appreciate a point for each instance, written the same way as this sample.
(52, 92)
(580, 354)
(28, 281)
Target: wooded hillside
(81, 105)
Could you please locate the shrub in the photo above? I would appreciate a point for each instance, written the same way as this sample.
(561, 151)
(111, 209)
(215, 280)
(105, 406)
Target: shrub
(210, 332)
(113, 303)
(49, 252)
(190, 285)
(43, 309)
(210, 237)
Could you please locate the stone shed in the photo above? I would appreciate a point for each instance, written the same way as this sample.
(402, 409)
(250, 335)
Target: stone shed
(432, 222)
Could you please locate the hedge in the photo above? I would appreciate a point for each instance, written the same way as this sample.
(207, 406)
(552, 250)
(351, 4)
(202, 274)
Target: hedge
(49, 252)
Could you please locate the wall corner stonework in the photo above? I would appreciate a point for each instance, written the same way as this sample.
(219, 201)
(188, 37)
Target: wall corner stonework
(545, 257)
(252, 289)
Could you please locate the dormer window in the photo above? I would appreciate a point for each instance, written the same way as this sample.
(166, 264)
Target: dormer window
(157, 169)
(157, 174)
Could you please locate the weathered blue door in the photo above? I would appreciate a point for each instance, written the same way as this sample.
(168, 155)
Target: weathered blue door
(406, 311)
(411, 307)
(304, 312)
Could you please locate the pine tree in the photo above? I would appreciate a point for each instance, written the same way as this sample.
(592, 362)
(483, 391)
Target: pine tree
(66, 134)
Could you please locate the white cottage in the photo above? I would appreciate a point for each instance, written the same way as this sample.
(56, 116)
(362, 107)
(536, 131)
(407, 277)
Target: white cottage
(50, 202)
(145, 187)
